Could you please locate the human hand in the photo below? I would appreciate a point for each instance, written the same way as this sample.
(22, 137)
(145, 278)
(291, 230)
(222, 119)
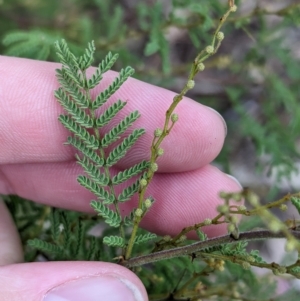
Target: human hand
(34, 164)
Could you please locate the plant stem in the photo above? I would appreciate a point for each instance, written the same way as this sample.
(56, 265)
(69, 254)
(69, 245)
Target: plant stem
(198, 246)
(202, 56)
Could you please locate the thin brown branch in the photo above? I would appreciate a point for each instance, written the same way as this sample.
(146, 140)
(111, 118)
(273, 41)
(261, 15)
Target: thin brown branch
(198, 246)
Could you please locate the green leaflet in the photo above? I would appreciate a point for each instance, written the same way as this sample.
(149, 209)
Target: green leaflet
(119, 152)
(90, 140)
(123, 176)
(116, 84)
(114, 241)
(44, 246)
(114, 134)
(143, 238)
(99, 191)
(110, 216)
(110, 113)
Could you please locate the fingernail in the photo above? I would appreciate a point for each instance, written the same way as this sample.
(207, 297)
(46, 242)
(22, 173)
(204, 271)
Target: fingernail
(105, 287)
(224, 123)
(233, 178)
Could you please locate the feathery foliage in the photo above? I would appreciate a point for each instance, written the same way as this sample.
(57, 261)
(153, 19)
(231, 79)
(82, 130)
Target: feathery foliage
(85, 118)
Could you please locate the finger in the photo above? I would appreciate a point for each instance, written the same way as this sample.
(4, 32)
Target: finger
(11, 247)
(182, 199)
(30, 132)
(76, 281)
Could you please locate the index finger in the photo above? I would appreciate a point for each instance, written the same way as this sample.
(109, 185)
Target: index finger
(30, 132)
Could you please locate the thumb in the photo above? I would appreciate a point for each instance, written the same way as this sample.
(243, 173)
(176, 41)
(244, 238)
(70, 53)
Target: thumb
(59, 281)
(69, 281)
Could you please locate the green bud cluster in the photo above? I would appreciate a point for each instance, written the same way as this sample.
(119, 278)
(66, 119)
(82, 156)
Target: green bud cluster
(174, 117)
(158, 132)
(242, 208)
(148, 203)
(283, 207)
(138, 212)
(209, 49)
(220, 36)
(223, 208)
(246, 265)
(160, 152)
(200, 66)
(207, 221)
(182, 238)
(190, 84)
(167, 238)
(231, 228)
(143, 182)
(154, 167)
(233, 8)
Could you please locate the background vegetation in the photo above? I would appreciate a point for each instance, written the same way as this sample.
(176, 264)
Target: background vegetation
(253, 82)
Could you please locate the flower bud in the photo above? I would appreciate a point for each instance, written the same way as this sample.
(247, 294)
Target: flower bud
(230, 228)
(143, 182)
(148, 203)
(246, 265)
(138, 212)
(209, 49)
(233, 8)
(220, 36)
(182, 238)
(167, 238)
(190, 84)
(160, 152)
(242, 208)
(158, 132)
(207, 221)
(283, 207)
(174, 117)
(154, 167)
(234, 219)
(200, 66)
(223, 208)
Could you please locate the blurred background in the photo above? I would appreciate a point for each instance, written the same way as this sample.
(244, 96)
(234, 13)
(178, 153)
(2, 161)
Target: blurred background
(253, 81)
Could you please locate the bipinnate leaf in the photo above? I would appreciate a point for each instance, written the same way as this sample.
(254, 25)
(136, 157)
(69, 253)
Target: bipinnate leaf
(85, 120)
(110, 216)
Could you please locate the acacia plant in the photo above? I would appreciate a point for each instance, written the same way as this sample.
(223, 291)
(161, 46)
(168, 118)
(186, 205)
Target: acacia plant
(206, 268)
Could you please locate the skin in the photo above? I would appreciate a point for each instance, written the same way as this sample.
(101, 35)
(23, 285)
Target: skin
(36, 165)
